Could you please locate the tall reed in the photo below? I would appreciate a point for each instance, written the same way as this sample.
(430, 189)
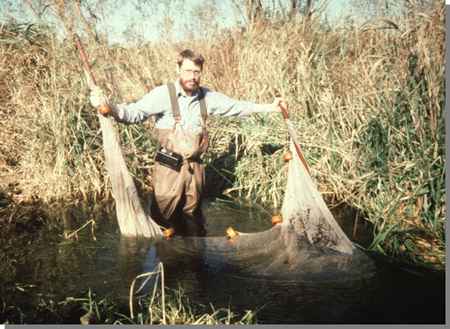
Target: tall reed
(367, 101)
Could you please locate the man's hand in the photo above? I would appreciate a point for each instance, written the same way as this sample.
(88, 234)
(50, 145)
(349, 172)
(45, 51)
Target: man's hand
(98, 100)
(279, 103)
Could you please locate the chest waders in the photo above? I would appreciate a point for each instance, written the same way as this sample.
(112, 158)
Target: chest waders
(178, 193)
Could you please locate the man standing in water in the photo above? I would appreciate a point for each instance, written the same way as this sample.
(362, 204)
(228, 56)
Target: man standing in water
(181, 109)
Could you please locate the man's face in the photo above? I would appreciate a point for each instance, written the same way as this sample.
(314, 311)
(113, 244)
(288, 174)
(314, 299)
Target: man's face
(189, 74)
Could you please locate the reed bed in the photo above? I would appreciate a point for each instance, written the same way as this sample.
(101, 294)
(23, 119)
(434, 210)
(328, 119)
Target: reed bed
(367, 101)
(91, 308)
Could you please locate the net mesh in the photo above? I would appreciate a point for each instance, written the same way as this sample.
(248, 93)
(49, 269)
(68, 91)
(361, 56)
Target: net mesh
(309, 240)
(131, 217)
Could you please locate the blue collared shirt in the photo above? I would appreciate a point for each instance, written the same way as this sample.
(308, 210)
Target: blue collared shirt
(157, 103)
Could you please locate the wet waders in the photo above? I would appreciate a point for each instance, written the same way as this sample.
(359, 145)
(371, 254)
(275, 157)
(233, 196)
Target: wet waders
(178, 194)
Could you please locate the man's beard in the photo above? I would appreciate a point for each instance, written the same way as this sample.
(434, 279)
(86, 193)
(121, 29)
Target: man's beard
(189, 85)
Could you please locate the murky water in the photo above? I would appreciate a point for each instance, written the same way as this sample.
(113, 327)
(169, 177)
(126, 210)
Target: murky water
(392, 294)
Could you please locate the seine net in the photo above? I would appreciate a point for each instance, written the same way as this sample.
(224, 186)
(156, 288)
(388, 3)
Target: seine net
(309, 240)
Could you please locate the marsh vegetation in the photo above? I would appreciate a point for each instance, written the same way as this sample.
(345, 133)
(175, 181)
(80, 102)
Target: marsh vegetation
(367, 101)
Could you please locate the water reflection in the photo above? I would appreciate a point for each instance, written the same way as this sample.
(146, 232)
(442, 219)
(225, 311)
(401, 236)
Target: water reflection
(292, 300)
(388, 295)
(109, 265)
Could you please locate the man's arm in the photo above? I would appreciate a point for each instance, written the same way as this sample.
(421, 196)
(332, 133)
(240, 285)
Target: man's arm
(220, 104)
(135, 112)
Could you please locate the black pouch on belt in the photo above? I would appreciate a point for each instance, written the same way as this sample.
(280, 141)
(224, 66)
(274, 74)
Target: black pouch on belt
(169, 159)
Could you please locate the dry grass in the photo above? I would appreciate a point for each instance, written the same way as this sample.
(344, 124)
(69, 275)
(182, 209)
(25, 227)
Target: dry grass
(367, 103)
(155, 308)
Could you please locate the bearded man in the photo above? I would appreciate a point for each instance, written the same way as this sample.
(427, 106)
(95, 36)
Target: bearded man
(180, 110)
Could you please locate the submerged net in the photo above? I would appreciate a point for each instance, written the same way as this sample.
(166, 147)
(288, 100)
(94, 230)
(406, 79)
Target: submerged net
(307, 245)
(309, 240)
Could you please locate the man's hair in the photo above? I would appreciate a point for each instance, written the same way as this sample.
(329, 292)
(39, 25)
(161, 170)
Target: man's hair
(191, 55)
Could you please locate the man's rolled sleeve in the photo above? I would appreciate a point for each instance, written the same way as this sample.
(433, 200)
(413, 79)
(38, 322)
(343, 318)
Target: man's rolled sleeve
(222, 105)
(148, 105)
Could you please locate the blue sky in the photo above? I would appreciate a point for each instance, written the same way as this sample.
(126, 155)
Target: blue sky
(227, 16)
(147, 23)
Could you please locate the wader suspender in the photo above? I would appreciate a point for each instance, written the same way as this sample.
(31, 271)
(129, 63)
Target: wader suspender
(177, 116)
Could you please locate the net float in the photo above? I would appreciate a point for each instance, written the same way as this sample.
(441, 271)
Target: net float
(231, 233)
(168, 233)
(276, 219)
